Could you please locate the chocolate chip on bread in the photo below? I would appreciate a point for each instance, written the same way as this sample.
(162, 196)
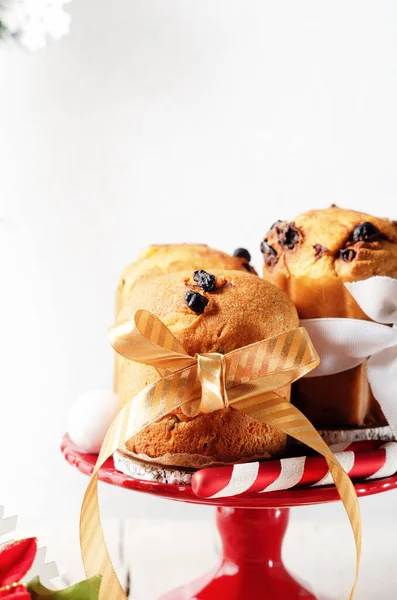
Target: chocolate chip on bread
(159, 260)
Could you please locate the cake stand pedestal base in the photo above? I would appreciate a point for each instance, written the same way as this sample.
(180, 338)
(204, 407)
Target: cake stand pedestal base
(251, 567)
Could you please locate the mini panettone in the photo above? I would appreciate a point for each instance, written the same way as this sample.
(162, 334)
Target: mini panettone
(311, 258)
(217, 311)
(159, 260)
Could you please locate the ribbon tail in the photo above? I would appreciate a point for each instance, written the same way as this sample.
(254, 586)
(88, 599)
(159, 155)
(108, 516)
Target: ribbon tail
(277, 412)
(93, 546)
(154, 402)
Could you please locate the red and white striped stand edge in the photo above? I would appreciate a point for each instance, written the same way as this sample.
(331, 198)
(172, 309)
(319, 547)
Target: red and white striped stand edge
(361, 460)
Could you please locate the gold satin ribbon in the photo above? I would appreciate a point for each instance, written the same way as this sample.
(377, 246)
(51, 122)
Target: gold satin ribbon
(245, 379)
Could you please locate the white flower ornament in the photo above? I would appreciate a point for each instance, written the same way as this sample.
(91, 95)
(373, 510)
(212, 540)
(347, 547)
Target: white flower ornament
(32, 22)
(346, 343)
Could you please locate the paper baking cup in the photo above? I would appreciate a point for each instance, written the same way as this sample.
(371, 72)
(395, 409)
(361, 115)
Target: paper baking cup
(363, 434)
(139, 469)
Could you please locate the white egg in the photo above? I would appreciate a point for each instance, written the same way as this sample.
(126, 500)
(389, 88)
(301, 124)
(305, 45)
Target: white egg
(89, 419)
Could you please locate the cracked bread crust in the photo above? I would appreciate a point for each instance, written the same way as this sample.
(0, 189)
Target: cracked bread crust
(314, 268)
(159, 260)
(243, 310)
(331, 247)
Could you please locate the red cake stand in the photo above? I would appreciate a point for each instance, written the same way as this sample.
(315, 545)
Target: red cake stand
(251, 567)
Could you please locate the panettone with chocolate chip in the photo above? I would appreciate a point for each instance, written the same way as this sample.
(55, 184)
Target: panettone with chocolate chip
(162, 259)
(311, 258)
(217, 311)
(170, 258)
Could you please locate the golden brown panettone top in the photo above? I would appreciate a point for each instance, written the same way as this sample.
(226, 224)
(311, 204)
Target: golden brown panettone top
(159, 260)
(242, 310)
(321, 250)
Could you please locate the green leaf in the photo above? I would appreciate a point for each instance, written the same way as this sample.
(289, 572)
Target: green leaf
(85, 590)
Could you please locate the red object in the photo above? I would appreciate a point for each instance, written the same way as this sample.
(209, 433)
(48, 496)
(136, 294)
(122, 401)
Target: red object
(251, 567)
(15, 561)
(369, 458)
(16, 593)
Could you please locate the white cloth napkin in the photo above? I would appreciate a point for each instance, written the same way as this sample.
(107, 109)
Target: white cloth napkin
(346, 343)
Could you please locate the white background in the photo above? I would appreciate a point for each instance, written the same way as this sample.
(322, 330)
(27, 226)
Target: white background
(158, 121)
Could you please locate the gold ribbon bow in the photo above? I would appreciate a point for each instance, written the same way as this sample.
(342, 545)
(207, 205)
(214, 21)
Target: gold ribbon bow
(245, 379)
